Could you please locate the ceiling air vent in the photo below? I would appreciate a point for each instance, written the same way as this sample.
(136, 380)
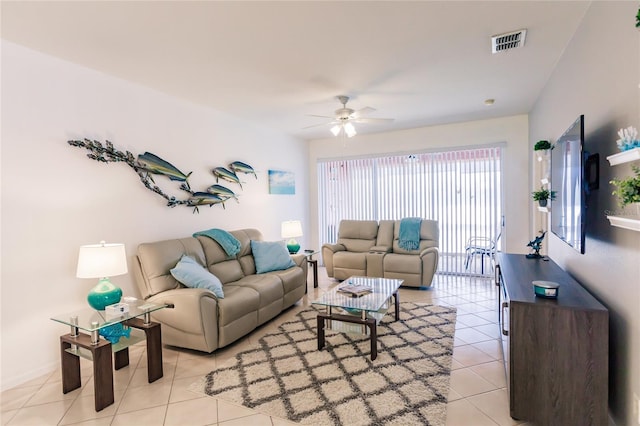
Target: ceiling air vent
(508, 41)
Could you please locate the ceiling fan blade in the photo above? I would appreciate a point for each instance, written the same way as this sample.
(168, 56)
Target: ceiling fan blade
(373, 120)
(321, 124)
(363, 111)
(321, 116)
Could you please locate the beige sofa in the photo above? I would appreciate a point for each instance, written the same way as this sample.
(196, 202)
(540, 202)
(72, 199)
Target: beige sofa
(199, 320)
(369, 248)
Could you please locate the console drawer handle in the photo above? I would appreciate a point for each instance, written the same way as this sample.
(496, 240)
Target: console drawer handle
(505, 305)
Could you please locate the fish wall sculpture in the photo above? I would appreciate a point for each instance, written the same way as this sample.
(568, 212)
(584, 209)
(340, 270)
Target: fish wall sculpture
(228, 175)
(222, 191)
(148, 164)
(240, 167)
(156, 165)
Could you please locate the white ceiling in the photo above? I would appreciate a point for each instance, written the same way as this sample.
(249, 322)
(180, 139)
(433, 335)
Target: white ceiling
(274, 63)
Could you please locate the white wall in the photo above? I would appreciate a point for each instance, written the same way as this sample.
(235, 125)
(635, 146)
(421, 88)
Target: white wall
(55, 199)
(511, 130)
(599, 76)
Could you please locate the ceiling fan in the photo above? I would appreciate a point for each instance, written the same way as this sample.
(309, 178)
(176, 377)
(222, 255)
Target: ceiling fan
(344, 118)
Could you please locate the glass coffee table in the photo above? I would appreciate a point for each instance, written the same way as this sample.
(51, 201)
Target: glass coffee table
(358, 314)
(88, 344)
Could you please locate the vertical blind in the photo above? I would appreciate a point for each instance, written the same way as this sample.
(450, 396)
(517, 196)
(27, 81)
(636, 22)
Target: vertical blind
(460, 189)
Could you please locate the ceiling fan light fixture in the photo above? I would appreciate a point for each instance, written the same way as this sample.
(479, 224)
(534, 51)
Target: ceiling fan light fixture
(335, 130)
(350, 130)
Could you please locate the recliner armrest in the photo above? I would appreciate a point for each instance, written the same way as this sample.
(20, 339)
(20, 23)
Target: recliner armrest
(334, 247)
(328, 250)
(429, 250)
(298, 259)
(186, 314)
(380, 249)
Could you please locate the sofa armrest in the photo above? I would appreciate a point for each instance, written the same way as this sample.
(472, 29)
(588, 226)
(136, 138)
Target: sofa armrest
(429, 258)
(190, 308)
(328, 250)
(380, 249)
(298, 259)
(333, 247)
(428, 250)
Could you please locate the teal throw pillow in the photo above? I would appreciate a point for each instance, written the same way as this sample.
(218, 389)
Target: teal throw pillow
(192, 274)
(271, 256)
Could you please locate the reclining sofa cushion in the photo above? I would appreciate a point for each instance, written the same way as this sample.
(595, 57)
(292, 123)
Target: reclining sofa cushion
(225, 267)
(358, 235)
(237, 313)
(429, 237)
(155, 260)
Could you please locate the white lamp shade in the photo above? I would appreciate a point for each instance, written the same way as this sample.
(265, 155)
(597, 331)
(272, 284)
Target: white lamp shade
(101, 260)
(291, 229)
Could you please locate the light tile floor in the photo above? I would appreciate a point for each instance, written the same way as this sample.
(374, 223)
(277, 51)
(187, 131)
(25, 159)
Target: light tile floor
(478, 393)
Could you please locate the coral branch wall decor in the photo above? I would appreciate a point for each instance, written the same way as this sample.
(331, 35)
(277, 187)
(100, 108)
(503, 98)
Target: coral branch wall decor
(146, 165)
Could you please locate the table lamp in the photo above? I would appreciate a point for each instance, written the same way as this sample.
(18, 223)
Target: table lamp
(102, 261)
(292, 229)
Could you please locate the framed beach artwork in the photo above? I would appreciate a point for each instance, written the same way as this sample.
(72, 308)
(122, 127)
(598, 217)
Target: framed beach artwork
(281, 182)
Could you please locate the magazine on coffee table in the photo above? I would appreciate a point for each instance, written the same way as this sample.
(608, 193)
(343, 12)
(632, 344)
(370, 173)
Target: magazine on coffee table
(355, 290)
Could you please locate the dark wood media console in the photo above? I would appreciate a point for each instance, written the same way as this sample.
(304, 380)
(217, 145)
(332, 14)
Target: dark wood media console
(555, 350)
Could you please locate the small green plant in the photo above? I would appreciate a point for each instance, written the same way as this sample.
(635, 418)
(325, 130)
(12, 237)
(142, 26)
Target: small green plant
(638, 19)
(628, 190)
(540, 145)
(543, 194)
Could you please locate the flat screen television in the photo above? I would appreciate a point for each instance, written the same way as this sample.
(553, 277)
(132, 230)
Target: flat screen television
(568, 186)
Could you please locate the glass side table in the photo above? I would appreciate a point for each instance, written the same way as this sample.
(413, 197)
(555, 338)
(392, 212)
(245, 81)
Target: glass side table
(84, 340)
(314, 264)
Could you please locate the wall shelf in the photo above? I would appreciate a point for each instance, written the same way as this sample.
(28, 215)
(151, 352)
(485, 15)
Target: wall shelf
(543, 209)
(624, 156)
(625, 222)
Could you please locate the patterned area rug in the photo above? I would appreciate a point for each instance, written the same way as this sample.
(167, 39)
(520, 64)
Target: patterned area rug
(286, 376)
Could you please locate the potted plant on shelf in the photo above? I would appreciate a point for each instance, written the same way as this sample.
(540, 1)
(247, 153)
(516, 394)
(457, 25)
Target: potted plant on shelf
(542, 196)
(542, 148)
(628, 189)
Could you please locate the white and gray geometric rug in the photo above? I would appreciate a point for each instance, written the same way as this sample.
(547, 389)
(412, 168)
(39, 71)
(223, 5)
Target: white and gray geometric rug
(286, 376)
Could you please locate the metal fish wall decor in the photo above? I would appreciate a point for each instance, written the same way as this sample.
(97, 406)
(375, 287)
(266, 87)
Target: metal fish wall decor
(148, 164)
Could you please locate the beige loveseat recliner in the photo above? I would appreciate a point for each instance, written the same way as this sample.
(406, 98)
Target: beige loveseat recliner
(368, 248)
(199, 320)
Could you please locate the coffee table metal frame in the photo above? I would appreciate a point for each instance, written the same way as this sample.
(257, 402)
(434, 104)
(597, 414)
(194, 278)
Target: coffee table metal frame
(89, 345)
(370, 307)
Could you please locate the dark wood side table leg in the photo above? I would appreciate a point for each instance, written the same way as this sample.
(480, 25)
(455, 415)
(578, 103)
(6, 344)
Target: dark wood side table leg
(321, 319)
(103, 376)
(70, 368)
(102, 368)
(121, 358)
(154, 352)
(373, 331)
(396, 298)
(369, 322)
(314, 264)
(154, 346)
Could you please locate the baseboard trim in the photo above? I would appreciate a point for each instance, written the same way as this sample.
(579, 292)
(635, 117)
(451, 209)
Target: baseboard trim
(16, 381)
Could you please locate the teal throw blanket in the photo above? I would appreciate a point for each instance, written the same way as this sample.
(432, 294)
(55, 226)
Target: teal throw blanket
(409, 234)
(228, 242)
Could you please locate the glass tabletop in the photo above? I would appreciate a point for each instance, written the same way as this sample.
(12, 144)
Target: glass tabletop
(310, 252)
(381, 290)
(90, 320)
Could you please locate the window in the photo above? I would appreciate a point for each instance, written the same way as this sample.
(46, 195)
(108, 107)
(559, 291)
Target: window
(460, 189)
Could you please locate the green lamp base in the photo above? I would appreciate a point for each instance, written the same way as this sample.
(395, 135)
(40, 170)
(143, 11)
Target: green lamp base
(293, 246)
(104, 294)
